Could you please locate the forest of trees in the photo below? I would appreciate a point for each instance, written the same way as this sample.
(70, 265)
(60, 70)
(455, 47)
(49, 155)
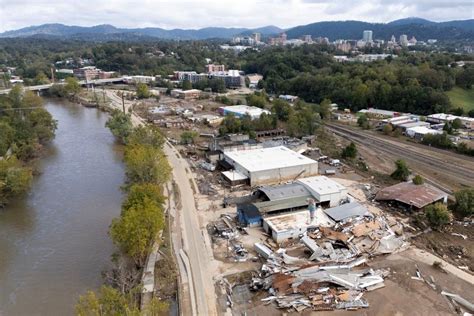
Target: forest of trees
(25, 126)
(414, 82)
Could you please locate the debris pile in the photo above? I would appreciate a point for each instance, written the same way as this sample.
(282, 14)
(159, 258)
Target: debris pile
(225, 229)
(354, 236)
(331, 277)
(294, 284)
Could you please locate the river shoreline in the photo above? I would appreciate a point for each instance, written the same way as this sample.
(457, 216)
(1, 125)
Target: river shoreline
(53, 239)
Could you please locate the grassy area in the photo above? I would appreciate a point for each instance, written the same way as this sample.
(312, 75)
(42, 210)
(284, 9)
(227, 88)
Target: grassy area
(238, 97)
(462, 98)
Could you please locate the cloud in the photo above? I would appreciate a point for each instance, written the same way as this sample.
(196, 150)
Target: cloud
(243, 13)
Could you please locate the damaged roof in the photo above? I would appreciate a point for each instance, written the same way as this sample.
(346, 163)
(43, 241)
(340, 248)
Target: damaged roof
(347, 210)
(285, 191)
(408, 193)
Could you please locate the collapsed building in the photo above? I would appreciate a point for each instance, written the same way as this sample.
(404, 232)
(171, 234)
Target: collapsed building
(331, 277)
(408, 194)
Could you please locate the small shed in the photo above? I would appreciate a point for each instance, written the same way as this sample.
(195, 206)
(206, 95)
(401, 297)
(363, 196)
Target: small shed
(249, 215)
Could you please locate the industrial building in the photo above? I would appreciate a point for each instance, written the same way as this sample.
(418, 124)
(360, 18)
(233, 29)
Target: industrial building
(467, 122)
(241, 110)
(412, 195)
(186, 94)
(293, 225)
(287, 197)
(325, 190)
(419, 132)
(379, 113)
(271, 165)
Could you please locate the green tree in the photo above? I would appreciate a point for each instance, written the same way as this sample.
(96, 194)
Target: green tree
(186, 85)
(14, 179)
(418, 180)
(108, 301)
(6, 137)
(156, 307)
(189, 137)
(388, 129)
(217, 85)
(230, 124)
(139, 192)
(438, 215)
(350, 152)
(142, 91)
(120, 124)
(401, 172)
(258, 101)
(43, 124)
(146, 135)
(456, 124)
(325, 109)
(464, 201)
(363, 121)
(57, 90)
(145, 163)
(72, 87)
(281, 109)
(137, 228)
(41, 79)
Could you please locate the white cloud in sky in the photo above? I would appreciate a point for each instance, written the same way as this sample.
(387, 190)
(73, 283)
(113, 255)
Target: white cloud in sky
(169, 14)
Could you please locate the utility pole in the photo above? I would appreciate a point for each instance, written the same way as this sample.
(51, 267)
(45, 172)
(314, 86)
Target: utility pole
(123, 103)
(52, 74)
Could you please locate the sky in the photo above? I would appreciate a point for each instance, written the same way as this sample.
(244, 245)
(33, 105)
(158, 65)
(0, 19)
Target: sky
(170, 14)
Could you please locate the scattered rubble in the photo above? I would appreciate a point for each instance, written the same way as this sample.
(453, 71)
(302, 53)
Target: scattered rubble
(295, 284)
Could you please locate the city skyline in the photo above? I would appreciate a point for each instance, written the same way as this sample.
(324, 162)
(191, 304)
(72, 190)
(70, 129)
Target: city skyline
(250, 14)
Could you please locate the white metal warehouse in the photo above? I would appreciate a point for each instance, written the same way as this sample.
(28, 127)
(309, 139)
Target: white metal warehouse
(325, 189)
(271, 165)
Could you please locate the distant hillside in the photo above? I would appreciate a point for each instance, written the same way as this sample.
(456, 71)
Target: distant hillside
(420, 28)
(107, 32)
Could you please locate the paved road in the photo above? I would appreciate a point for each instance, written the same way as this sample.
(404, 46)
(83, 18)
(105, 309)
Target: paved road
(443, 168)
(193, 240)
(202, 284)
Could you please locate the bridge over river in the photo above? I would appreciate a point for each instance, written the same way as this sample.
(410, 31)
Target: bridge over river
(96, 82)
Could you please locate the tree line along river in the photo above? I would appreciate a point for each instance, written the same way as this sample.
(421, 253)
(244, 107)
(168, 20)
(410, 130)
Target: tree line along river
(53, 240)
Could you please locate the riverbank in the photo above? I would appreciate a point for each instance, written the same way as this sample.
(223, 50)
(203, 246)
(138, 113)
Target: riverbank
(54, 240)
(26, 126)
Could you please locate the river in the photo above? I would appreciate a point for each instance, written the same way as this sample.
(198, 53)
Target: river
(53, 241)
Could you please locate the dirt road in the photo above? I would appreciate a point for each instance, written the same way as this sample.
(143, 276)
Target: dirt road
(447, 170)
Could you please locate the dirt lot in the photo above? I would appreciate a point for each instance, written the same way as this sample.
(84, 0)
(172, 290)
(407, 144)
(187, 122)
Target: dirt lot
(454, 249)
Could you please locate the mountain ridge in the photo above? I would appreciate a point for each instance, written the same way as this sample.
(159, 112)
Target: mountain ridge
(422, 29)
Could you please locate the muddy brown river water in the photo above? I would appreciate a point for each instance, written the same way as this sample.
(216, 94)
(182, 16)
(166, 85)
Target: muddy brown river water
(53, 241)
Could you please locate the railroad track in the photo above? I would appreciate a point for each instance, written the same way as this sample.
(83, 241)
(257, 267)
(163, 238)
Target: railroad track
(459, 173)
